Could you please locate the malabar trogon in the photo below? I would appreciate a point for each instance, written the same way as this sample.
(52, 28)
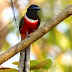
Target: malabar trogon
(29, 22)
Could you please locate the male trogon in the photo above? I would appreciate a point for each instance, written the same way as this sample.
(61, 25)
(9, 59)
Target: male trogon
(29, 22)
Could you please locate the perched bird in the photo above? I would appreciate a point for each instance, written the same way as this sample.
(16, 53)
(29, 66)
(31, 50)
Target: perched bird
(29, 22)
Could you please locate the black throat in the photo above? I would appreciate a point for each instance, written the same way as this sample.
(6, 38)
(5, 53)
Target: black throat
(32, 14)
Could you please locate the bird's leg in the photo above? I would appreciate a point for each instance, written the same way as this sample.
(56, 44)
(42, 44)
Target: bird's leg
(27, 34)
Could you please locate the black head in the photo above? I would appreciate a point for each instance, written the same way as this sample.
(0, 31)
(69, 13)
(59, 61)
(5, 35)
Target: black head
(32, 12)
(33, 7)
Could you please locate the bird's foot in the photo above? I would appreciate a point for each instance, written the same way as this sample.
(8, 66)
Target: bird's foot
(27, 34)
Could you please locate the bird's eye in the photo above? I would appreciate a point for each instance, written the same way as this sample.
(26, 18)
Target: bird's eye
(33, 5)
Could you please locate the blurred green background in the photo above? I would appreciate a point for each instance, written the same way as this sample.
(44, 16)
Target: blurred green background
(55, 45)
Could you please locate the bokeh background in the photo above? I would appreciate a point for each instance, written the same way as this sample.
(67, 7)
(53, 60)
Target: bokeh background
(55, 45)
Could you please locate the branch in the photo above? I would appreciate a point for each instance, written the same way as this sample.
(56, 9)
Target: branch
(36, 35)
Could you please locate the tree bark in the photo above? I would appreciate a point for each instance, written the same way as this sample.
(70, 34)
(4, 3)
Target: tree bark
(36, 35)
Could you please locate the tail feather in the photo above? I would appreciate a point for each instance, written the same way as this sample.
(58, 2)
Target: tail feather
(24, 63)
(27, 59)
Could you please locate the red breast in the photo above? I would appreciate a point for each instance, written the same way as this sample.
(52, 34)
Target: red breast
(29, 25)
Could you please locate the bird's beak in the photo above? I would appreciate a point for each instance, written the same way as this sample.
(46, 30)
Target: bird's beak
(38, 8)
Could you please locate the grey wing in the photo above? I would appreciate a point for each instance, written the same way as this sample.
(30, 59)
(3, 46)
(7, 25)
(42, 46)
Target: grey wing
(39, 20)
(21, 23)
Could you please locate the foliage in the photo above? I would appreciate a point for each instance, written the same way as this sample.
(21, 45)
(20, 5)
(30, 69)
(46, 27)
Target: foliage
(8, 70)
(38, 66)
(48, 65)
(33, 63)
(56, 44)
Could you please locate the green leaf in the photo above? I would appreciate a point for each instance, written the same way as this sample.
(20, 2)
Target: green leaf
(15, 63)
(8, 70)
(36, 70)
(48, 64)
(33, 63)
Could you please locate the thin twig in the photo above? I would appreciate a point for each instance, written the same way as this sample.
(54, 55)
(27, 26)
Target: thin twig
(13, 13)
(17, 30)
(7, 24)
(12, 19)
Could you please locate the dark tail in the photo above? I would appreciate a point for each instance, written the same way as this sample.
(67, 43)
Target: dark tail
(24, 63)
(27, 60)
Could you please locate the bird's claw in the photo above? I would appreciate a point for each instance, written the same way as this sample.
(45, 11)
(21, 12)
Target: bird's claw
(28, 36)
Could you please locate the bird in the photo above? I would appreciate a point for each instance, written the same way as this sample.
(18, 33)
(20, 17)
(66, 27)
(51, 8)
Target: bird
(29, 22)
